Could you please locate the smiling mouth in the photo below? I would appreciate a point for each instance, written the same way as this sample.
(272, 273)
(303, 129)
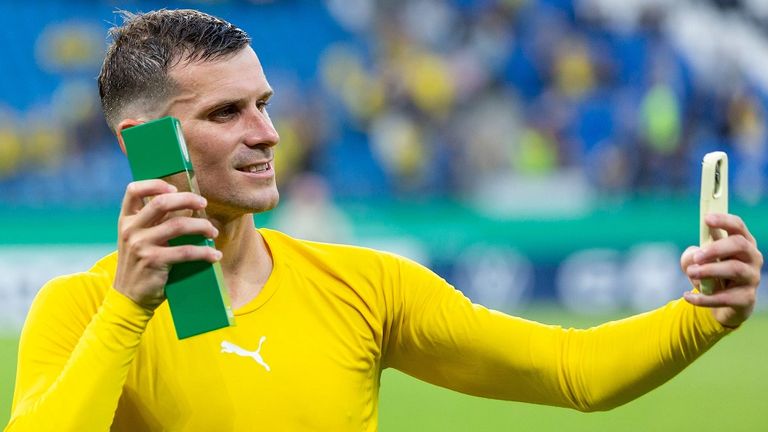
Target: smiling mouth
(256, 168)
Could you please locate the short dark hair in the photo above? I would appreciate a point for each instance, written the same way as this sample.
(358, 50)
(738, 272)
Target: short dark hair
(147, 45)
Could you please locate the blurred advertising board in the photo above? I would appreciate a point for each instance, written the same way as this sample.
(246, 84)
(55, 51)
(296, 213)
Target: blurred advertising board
(602, 261)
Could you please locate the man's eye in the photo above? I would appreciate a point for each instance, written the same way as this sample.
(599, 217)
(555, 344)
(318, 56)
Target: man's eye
(224, 113)
(262, 105)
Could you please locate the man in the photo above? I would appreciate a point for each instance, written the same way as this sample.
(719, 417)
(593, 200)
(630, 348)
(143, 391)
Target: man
(316, 323)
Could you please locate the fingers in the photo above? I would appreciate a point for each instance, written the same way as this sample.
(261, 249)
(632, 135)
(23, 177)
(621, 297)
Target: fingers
(732, 247)
(164, 201)
(175, 227)
(150, 244)
(161, 205)
(734, 261)
(732, 224)
(734, 271)
(686, 259)
(143, 227)
(743, 298)
(159, 256)
(133, 200)
(186, 253)
(146, 223)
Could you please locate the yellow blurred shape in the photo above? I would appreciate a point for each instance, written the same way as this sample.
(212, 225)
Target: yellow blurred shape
(10, 150)
(661, 117)
(290, 151)
(45, 144)
(398, 142)
(428, 80)
(574, 72)
(537, 153)
(363, 94)
(411, 158)
(70, 46)
(343, 73)
(336, 63)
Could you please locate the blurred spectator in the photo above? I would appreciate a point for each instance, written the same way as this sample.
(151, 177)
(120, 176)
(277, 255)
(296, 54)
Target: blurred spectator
(746, 124)
(430, 97)
(308, 212)
(11, 149)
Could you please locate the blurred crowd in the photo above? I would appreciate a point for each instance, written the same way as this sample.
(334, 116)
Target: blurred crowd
(426, 98)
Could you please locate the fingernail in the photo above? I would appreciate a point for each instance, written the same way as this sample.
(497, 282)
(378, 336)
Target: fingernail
(215, 232)
(203, 201)
(218, 255)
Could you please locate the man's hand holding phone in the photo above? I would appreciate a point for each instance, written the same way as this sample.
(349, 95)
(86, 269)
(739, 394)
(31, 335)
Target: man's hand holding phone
(726, 266)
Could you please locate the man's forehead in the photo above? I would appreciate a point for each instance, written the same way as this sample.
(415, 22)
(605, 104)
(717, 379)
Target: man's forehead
(226, 77)
(197, 70)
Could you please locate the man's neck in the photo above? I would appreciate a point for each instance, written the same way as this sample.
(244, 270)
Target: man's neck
(247, 262)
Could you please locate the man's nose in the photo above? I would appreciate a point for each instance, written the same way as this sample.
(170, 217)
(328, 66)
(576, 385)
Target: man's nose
(259, 129)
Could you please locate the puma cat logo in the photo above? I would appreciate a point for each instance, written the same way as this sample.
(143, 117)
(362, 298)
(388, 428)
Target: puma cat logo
(230, 348)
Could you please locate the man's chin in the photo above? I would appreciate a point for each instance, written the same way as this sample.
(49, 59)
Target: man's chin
(234, 210)
(265, 202)
(265, 207)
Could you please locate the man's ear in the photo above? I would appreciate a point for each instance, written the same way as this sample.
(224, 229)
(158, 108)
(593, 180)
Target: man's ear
(123, 125)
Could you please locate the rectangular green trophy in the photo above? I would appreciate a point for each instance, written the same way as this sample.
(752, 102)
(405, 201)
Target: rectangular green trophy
(196, 293)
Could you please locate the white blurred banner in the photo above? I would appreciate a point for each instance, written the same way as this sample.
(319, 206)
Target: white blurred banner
(25, 269)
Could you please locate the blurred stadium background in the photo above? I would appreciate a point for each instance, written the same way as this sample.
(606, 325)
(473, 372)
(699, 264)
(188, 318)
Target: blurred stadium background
(542, 155)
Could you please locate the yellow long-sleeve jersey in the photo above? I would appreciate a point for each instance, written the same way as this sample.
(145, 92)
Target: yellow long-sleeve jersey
(308, 351)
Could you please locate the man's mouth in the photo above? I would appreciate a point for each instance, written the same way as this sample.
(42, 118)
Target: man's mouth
(256, 168)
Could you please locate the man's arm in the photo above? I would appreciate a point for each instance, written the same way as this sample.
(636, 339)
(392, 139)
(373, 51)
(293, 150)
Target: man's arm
(72, 363)
(437, 335)
(72, 368)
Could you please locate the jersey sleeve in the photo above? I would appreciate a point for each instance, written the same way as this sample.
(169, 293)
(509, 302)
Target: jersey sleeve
(436, 334)
(74, 355)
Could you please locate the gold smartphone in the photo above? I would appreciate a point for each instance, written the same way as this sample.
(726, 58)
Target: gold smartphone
(714, 199)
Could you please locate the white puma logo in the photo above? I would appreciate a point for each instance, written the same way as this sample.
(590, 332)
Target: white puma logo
(229, 347)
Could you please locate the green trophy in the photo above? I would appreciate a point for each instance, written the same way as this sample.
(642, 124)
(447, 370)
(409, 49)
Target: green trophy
(196, 293)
